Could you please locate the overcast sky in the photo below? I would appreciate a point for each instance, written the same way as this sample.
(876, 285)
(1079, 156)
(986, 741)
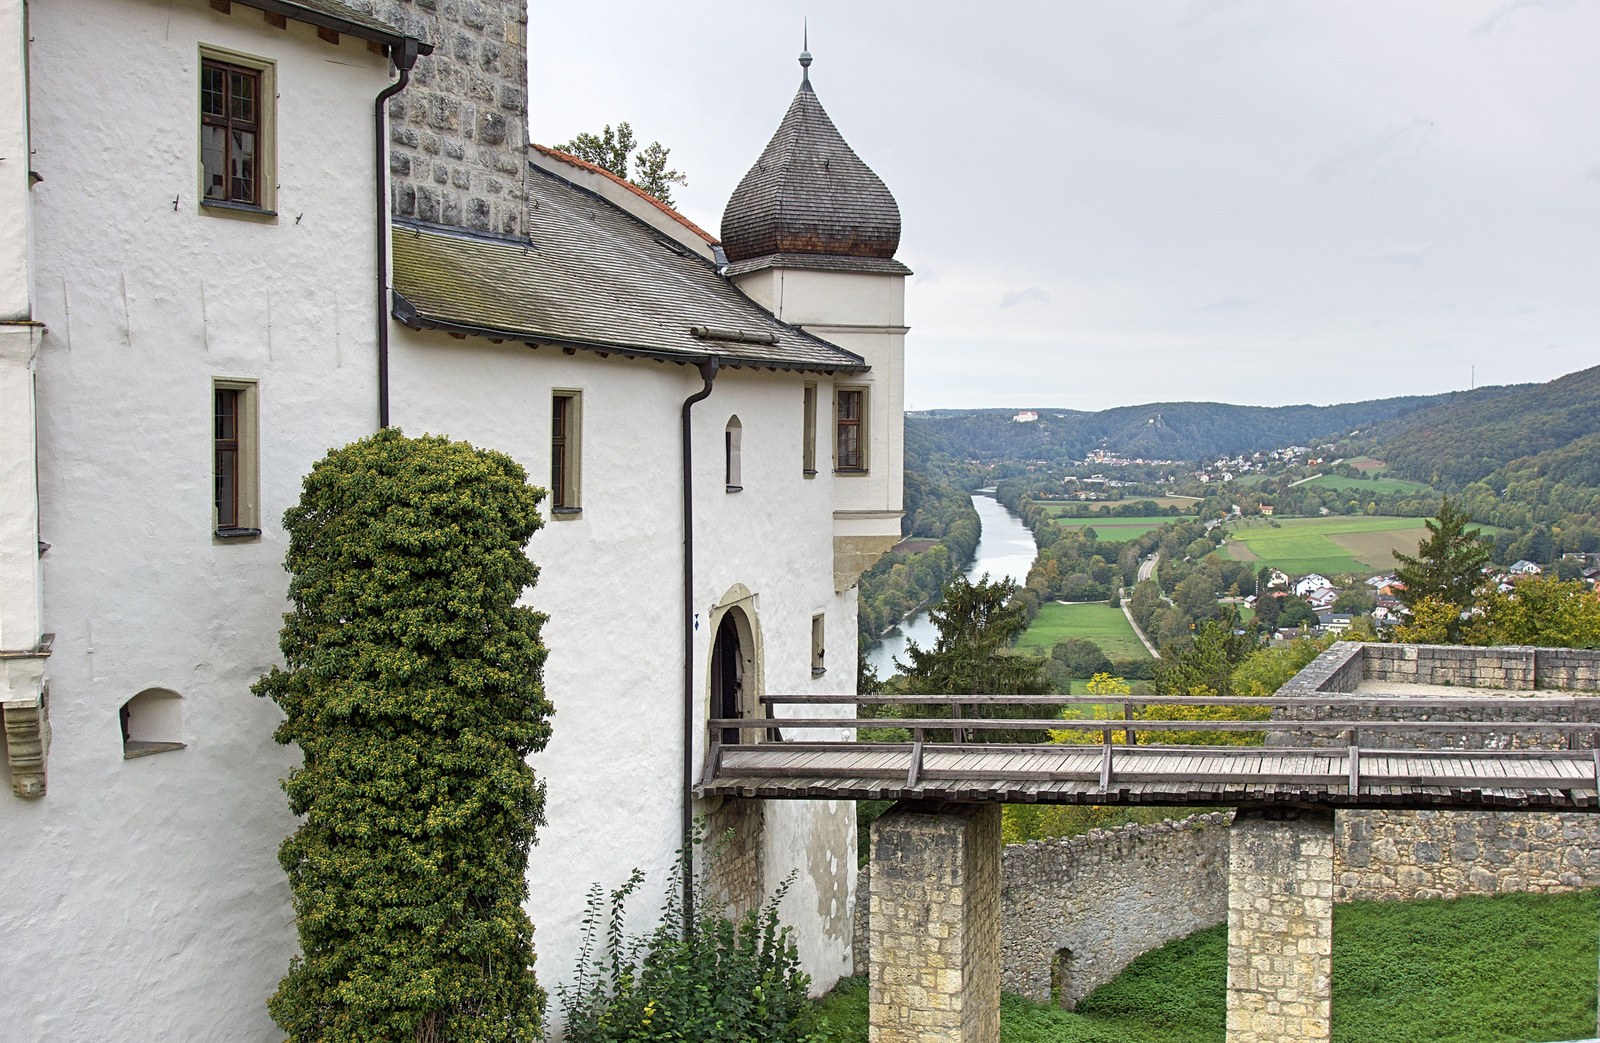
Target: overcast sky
(1111, 202)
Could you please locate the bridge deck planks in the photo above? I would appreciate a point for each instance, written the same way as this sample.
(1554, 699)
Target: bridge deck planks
(1152, 774)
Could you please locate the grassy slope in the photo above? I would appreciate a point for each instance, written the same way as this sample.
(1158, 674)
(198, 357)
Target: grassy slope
(1106, 626)
(1501, 969)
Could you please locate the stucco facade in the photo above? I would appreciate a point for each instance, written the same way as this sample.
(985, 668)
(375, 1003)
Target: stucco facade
(146, 891)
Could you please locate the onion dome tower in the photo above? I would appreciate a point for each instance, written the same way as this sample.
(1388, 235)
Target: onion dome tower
(810, 234)
(810, 201)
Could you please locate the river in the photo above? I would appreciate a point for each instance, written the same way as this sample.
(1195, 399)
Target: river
(1005, 550)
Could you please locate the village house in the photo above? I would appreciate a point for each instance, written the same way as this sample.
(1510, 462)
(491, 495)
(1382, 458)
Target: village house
(209, 276)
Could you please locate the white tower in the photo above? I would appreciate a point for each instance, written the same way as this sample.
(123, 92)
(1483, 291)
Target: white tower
(810, 234)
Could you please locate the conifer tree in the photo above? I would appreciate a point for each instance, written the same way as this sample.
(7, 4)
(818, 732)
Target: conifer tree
(413, 690)
(1448, 566)
(971, 656)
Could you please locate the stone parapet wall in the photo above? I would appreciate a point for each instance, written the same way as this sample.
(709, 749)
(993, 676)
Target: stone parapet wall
(1075, 912)
(458, 134)
(1400, 855)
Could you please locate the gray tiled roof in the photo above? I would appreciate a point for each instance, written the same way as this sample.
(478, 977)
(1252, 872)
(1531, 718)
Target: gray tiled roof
(592, 277)
(809, 193)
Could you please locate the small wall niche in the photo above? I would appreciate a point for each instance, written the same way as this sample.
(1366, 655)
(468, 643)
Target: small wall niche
(152, 722)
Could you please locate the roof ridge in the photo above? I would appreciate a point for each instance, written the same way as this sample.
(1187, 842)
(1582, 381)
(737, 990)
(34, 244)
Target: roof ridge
(630, 186)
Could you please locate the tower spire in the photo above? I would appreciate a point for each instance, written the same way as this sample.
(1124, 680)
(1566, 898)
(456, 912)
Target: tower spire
(805, 54)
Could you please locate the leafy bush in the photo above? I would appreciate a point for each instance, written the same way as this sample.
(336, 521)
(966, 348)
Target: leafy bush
(718, 981)
(1081, 657)
(413, 690)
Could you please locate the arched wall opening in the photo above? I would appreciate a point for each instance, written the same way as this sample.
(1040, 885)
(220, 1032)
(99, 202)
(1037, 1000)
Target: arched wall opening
(732, 455)
(152, 722)
(735, 682)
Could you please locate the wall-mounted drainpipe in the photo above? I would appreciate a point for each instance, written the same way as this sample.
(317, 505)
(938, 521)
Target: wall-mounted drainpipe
(708, 373)
(404, 57)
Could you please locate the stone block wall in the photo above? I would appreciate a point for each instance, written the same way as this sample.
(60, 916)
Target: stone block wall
(1400, 855)
(458, 135)
(935, 924)
(1076, 912)
(1280, 926)
(734, 882)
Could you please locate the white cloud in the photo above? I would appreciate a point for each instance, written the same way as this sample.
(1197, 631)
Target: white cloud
(1011, 298)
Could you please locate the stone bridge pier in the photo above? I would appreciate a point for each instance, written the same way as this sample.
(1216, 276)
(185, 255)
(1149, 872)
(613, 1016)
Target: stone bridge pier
(934, 924)
(1280, 925)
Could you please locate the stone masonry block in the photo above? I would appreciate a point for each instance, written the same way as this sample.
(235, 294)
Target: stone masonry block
(935, 864)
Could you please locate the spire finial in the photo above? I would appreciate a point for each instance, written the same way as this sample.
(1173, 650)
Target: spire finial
(805, 53)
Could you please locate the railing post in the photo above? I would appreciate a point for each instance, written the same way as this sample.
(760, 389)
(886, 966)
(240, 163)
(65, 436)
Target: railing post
(1105, 765)
(957, 735)
(1127, 715)
(916, 758)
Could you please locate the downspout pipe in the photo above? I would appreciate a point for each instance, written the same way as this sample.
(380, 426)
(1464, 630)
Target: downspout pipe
(404, 56)
(708, 373)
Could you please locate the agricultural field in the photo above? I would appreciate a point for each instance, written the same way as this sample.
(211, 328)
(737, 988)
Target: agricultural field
(1119, 529)
(1326, 545)
(1374, 485)
(1096, 620)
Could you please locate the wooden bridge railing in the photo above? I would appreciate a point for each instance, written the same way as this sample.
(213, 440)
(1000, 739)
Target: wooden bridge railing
(1576, 708)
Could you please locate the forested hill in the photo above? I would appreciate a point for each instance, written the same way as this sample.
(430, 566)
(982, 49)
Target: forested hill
(1158, 431)
(1552, 430)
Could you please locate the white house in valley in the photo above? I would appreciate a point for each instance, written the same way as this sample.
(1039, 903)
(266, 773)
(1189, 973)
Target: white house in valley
(209, 276)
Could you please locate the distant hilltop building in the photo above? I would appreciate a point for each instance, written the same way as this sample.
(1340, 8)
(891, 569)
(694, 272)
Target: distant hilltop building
(1025, 417)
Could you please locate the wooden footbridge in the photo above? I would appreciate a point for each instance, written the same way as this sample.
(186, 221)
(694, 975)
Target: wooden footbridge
(1527, 758)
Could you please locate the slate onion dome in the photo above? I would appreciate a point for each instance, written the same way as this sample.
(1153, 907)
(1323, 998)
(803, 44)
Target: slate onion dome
(810, 196)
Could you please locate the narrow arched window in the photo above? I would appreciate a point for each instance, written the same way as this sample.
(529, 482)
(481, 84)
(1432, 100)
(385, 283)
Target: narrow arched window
(730, 446)
(152, 722)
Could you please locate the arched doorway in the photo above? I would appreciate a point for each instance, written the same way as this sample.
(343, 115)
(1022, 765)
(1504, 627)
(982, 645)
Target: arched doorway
(727, 675)
(735, 683)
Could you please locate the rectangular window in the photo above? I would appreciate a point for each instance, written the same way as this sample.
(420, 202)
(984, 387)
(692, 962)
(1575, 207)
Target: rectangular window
(237, 96)
(564, 435)
(808, 433)
(235, 511)
(818, 650)
(850, 452)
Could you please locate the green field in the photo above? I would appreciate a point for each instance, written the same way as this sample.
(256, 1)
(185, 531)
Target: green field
(1118, 530)
(1106, 626)
(1375, 485)
(1326, 545)
(1481, 969)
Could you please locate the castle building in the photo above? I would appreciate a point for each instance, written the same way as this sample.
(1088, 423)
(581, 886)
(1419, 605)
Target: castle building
(209, 276)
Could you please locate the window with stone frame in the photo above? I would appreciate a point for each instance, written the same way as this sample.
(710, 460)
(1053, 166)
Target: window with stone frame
(230, 132)
(850, 443)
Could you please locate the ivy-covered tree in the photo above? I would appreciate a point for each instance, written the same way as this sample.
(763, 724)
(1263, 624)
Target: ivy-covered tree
(413, 689)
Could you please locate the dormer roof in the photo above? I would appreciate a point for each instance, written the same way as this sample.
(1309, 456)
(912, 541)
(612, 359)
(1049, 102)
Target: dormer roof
(810, 201)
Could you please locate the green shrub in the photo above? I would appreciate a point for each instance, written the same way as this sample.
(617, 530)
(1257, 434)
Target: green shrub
(413, 689)
(719, 981)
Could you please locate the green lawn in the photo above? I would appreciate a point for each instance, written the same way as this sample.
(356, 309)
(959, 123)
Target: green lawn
(1096, 620)
(1498, 969)
(1301, 545)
